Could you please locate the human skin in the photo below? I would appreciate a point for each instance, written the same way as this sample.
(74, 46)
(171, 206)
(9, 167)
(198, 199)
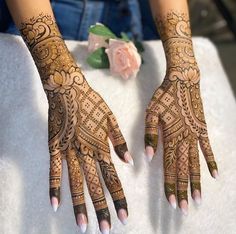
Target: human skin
(79, 121)
(177, 107)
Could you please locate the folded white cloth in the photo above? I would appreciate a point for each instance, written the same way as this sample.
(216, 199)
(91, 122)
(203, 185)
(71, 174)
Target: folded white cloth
(24, 157)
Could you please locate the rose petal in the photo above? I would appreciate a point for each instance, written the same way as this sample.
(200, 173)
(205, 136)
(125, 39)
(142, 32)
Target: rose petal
(124, 58)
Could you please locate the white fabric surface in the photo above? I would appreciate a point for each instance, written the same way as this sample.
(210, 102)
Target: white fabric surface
(24, 158)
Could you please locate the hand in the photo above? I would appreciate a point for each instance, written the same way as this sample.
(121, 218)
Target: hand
(177, 106)
(79, 124)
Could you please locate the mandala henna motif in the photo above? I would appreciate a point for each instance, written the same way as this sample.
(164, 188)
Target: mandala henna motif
(79, 121)
(177, 106)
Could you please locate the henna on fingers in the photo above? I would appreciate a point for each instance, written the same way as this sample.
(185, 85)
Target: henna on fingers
(177, 107)
(79, 124)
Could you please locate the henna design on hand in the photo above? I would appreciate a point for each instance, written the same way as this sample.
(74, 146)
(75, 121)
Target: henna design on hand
(79, 122)
(177, 106)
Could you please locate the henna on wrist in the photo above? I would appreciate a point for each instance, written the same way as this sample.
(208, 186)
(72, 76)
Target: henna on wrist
(177, 42)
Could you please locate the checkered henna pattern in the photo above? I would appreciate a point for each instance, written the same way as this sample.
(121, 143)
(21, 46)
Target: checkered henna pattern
(177, 107)
(79, 122)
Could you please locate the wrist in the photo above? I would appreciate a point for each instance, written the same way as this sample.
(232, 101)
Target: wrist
(179, 53)
(52, 58)
(175, 34)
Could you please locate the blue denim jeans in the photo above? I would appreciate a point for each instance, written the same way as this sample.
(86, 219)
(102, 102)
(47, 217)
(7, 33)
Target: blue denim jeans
(75, 16)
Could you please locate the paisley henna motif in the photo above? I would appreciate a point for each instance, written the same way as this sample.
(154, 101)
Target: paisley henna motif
(79, 121)
(177, 106)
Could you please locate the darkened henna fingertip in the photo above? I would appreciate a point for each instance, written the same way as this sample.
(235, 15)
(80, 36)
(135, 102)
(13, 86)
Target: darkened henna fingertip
(212, 166)
(121, 150)
(182, 195)
(151, 140)
(169, 189)
(55, 192)
(195, 186)
(121, 204)
(80, 209)
(104, 214)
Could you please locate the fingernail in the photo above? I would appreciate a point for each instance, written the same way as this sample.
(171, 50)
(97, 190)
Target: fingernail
(122, 215)
(104, 227)
(197, 197)
(128, 158)
(172, 201)
(184, 207)
(215, 174)
(82, 222)
(149, 153)
(83, 228)
(54, 203)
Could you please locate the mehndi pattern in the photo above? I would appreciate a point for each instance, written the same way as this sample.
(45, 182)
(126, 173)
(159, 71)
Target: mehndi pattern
(177, 107)
(79, 121)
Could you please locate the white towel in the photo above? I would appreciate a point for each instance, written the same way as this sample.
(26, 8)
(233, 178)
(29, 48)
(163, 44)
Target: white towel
(24, 158)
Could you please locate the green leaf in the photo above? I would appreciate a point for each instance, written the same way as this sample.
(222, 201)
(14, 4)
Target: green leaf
(98, 59)
(102, 30)
(124, 37)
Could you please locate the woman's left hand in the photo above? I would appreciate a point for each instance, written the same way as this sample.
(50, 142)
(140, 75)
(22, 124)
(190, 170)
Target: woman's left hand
(177, 106)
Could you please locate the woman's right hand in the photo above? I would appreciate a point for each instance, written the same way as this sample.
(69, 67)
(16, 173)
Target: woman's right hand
(80, 123)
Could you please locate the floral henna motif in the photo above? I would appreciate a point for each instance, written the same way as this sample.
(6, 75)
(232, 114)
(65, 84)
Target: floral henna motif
(177, 106)
(79, 121)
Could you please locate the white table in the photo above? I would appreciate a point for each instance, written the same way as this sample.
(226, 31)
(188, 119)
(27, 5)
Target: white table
(24, 158)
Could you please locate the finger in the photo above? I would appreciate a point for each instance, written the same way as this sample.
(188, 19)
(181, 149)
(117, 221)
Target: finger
(76, 188)
(95, 188)
(151, 134)
(55, 172)
(194, 170)
(182, 175)
(170, 173)
(114, 185)
(151, 124)
(209, 156)
(118, 140)
(155, 98)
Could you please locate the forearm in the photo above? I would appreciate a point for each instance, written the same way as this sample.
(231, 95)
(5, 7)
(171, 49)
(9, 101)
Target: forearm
(23, 10)
(172, 21)
(39, 30)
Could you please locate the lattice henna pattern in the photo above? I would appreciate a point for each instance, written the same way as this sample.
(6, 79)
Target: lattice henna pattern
(177, 106)
(79, 121)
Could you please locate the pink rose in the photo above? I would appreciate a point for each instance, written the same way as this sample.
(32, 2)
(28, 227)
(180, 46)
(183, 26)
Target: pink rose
(95, 42)
(124, 58)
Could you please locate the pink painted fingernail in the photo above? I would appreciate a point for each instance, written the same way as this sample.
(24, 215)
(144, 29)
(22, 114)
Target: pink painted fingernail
(82, 222)
(172, 201)
(128, 158)
(104, 227)
(149, 153)
(184, 207)
(215, 174)
(122, 215)
(197, 197)
(54, 203)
